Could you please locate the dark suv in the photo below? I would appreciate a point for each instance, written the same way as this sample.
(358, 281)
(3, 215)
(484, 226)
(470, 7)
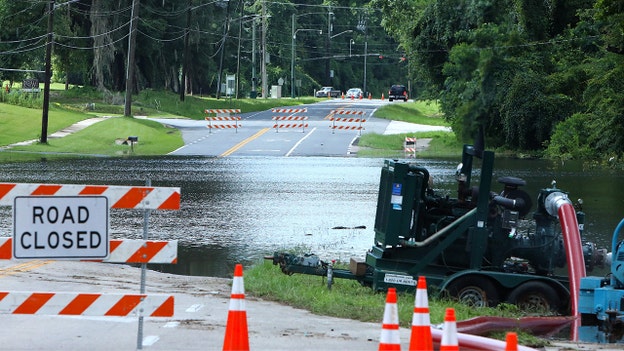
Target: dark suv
(397, 92)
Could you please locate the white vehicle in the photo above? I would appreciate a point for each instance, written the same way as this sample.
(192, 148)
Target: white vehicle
(327, 91)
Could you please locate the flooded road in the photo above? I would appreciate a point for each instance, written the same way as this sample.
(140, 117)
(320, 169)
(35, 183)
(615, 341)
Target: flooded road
(238, 209)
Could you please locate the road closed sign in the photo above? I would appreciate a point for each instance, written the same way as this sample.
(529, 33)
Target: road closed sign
(60, 227)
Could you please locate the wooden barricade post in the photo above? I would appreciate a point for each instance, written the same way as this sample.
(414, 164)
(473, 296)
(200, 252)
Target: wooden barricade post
(358, 120)
(90, 205)
(223, 115)
(409, 147)
(290, 121)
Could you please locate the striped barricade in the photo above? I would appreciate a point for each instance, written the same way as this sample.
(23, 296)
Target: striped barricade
(223, 115)
(409, 147)
(349, 120)
(132, 197)
(121, 251)
(86, 304)
(290, 120)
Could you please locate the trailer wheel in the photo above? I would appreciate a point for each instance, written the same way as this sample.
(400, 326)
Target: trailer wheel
(474, 291)
(535, 296)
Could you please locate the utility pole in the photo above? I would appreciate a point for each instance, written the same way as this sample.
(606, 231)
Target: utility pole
(240, 34)
(264, 53)
(130, 65)
(328, 47)
(226, 26)
(48, 70)
(185, 60)
(253, 58)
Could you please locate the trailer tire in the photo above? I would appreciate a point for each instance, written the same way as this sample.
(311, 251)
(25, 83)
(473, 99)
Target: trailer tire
(474, 291)
(536, 296)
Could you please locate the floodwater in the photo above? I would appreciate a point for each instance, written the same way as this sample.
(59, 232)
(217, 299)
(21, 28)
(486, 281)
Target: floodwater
(239, 209)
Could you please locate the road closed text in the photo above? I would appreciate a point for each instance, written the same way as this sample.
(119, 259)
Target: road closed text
(62, 227)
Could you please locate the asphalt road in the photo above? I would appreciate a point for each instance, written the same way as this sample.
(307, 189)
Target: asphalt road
(256, 133)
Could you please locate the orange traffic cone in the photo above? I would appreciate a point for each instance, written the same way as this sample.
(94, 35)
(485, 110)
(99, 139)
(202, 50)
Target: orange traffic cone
(449, 332)
(512, 342)
(389, 339)
(382, 96)
(343, 96)
(421, 339)
(236, 335)
(370, 96)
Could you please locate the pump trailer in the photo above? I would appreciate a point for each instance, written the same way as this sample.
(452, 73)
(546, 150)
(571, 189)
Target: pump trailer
(480, 247)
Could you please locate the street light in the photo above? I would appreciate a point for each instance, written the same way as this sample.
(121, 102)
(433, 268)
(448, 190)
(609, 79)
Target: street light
(292, 49)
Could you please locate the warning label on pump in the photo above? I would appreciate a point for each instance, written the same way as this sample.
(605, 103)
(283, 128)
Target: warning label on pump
(60, 227)
(396, 198)
(399, 279)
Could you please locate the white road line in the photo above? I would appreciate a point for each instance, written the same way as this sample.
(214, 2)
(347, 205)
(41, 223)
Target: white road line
(299, 142)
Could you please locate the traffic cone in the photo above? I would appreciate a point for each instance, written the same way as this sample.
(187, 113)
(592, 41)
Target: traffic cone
(343, 95)
(236, 335)
(421, 339)
(512, 342)
(382, 96)
(389, 339)
(370, 96)
(449, 332)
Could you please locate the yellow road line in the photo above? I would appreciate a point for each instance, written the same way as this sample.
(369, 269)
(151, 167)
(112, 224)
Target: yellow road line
(22, 267)
(244, 142)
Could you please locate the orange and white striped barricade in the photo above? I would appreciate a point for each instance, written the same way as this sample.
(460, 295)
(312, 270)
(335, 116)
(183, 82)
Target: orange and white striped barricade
(129, 197)
(86, 304)
(409, 147)
(222, 115)
(121, 251)
(345, 117)
(290, 120)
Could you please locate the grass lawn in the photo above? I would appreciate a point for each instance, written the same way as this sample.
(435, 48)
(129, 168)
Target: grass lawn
(102, 139)
(20, 123)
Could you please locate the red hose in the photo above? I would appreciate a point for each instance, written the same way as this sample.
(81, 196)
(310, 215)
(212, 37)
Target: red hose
(574, 254)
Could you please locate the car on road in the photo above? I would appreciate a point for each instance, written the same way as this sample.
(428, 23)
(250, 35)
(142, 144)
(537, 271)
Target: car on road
(397, 92)
(354, 93)
(327, 92)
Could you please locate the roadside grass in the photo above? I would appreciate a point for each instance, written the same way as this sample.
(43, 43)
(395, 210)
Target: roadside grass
(348, 299)
(164, 103)
(419, 112)
(20, 123)
(103, 138)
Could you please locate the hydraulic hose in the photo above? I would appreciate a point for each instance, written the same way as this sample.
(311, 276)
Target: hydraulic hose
(557, 203)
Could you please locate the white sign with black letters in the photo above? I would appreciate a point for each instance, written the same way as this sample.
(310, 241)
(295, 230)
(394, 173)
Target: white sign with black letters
(60, 227)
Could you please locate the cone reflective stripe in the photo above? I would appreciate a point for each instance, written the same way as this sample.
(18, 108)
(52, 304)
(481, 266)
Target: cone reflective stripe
(421, 339)
(512, 342)
(390, 340)
(449, 335)
(236, 334)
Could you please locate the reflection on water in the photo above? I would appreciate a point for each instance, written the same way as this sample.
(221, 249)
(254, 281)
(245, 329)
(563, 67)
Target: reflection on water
(240, 209)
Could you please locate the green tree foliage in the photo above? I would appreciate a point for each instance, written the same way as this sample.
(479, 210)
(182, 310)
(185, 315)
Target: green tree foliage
(204, 40)
(529, 72)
